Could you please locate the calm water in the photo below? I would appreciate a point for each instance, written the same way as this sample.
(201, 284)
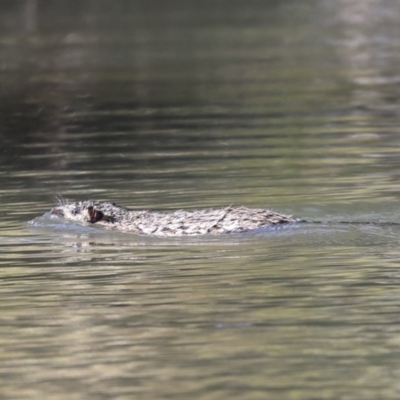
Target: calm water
(290, 105)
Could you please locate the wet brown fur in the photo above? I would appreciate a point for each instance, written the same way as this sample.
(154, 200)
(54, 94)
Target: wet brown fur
(176, 223)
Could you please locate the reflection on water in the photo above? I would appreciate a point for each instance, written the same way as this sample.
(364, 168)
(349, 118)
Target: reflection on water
(290, 105)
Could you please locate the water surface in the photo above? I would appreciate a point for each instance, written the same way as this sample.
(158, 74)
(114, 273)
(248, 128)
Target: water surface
(289, 105)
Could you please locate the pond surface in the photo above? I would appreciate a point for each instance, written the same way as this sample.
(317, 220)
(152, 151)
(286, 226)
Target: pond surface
(288, 105)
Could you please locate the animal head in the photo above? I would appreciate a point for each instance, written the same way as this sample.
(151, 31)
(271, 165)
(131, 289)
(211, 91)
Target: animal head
(91, 211)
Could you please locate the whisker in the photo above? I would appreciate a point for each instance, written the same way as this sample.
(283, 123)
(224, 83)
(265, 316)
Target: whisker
(61, 200)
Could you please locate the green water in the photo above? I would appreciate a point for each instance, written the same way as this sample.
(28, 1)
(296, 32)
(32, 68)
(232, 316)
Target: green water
(289, 105)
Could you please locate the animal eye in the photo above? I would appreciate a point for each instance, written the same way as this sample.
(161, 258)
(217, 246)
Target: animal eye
(74, 211)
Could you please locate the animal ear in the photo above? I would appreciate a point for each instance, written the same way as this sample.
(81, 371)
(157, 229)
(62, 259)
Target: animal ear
(94, 215)
(97, 215)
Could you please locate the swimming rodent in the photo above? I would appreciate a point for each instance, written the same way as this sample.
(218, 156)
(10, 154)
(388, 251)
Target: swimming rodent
(178, 223)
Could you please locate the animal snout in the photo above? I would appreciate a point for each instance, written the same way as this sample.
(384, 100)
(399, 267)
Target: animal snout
(57, 211)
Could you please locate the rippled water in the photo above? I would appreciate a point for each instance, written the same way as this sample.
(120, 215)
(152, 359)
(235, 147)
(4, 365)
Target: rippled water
(289, 105)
